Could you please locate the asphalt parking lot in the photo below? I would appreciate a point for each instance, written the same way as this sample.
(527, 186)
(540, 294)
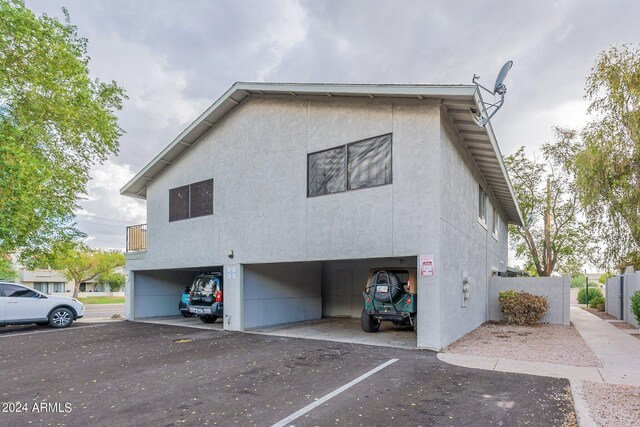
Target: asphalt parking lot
(125, 373)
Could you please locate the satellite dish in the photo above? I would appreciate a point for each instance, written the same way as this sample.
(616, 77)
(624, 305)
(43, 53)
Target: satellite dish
(491, 108)
(499, 86)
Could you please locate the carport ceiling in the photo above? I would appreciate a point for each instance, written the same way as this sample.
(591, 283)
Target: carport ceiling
(455, 99)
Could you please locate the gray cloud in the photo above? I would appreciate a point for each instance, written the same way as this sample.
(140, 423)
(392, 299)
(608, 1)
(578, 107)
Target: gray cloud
(176, 57)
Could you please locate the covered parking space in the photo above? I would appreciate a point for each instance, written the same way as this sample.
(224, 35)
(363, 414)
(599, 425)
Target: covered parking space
(156, 293)
(317, 299)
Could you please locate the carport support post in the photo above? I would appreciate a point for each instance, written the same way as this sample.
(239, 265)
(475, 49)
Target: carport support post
(428, 318)
(129, 313)
(233, 295)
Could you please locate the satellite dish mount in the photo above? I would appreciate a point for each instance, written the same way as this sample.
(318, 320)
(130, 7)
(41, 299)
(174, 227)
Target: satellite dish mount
(491, 108)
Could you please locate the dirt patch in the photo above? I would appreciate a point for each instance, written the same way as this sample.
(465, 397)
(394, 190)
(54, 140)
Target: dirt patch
(541, 343)
(601, 314)
(612, 405)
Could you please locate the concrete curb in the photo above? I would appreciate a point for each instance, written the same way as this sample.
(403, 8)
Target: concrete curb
(543, 369)
(580, 406)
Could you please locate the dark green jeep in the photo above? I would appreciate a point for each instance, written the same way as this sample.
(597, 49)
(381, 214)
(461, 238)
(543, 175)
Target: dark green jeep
(390, 294)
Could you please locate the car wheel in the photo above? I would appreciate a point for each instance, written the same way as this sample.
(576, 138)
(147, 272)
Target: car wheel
(61, 318)
(369, 323)
(186, 314)
(208, 318)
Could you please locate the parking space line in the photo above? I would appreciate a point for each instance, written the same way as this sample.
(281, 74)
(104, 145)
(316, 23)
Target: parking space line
(9, 334)
(298, 414)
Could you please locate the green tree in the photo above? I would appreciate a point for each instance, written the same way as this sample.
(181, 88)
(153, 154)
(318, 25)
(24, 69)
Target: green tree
(607, 164)
(56, 122)
(553, 238)
(6, 269)
(78, 263)
(114, 280)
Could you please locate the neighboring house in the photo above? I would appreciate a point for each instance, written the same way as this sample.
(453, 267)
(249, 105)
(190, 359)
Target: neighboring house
(46, 281)
(294, 191)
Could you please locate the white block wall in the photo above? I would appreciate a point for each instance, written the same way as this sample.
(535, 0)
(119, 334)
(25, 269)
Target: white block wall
(555, 289)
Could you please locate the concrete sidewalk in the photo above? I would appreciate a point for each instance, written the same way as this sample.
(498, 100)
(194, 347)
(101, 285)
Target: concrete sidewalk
(618, 351)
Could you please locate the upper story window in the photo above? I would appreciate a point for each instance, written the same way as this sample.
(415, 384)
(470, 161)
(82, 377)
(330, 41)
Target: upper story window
(496, 223)
(360, 164)
(191, 201)
(482, 205)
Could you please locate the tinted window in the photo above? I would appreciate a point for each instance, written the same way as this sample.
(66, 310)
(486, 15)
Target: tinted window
(369, 162)
(17, 291)
(202, 198)
(361, 164)
(482, 204)
(326, 172)
(179, 203)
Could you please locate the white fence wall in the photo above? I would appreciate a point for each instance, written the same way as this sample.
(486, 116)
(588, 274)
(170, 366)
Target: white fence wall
(612, 305)
(612, 297)
(100, 294)
(555, 289)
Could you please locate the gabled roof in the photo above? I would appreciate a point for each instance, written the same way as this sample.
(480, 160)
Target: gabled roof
(455, 99)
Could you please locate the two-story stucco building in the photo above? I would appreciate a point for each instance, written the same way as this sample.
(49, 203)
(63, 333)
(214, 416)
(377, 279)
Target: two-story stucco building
(294, 191)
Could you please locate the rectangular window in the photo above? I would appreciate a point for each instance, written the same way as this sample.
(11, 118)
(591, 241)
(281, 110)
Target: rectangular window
(191, 201)
(179, 203)
(202, 198)
(369, 162)
(496, 222)
(326, 172)
(482, 205)
(360, 164)
(41, 287)
(58, 287)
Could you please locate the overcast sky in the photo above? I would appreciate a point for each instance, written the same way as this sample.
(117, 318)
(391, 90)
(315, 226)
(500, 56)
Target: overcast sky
(175, 58)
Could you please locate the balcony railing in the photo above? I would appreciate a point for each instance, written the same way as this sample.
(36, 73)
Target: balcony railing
(137, 238)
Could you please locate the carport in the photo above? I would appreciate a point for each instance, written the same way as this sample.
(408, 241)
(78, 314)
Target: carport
(157, 293)
(318, 299)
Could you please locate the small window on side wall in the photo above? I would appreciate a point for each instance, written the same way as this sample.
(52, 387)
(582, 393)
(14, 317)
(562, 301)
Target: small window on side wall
(191, 201)
(326, 171)
(496, 223)
(369, 162)
(179, 203)
(482, 205)
(202, 198)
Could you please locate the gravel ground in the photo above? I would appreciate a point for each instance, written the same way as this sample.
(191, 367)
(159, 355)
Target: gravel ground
(540, 343)
(613, 405)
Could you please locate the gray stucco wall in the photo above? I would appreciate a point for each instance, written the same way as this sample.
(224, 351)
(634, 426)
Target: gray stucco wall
(157, 293)
(281, 293)
(555, 289)
(258, 159)
(468, 247)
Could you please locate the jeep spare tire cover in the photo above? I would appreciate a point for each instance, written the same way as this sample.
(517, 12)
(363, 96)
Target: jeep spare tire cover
(385, 278)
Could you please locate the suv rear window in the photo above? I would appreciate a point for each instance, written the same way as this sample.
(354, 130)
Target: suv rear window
(205, 286)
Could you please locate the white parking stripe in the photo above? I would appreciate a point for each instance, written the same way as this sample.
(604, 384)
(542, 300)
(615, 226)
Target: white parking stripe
(298, 414)
(8, 334)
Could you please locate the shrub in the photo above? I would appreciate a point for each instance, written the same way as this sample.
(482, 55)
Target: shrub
(578, 282)
(522, 308)
(593, 293)
(635, 305)
(603, 279)
(597, 302)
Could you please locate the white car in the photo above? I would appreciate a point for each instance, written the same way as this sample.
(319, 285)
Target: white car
(20, 305)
